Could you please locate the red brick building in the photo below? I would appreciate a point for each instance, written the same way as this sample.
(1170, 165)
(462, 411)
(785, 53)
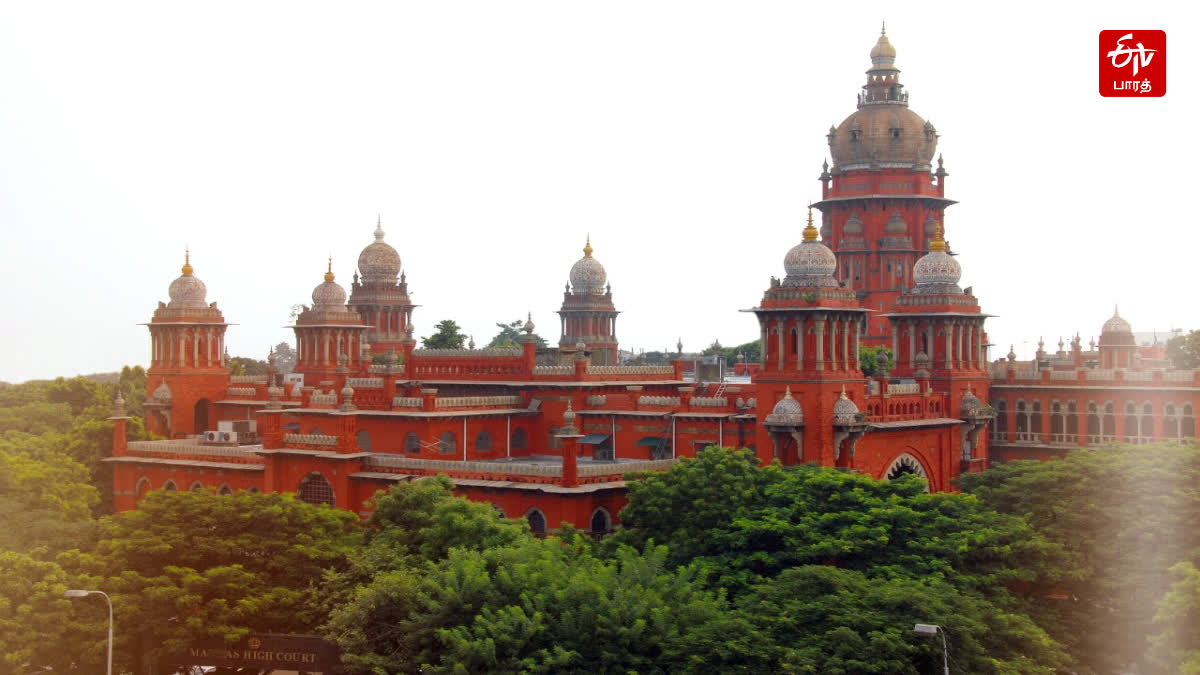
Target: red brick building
(552, 442)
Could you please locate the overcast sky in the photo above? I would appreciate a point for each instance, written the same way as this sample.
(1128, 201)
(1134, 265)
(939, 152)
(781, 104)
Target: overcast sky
(686, 137)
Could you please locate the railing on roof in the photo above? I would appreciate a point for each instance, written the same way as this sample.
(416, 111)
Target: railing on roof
(631, 370)
(310, 439)
(490, 353)
(240, 391)
(188, 447)
(1139, 376)
(710, 401)
(477, 401)
(247, 379)
(1098, 374)
(904, 388)
(365, 382)
(553, 370)
(1179, 375)
(659, 400)
(1064, 375)
(514, 468)
(324, 399)
(407, 402)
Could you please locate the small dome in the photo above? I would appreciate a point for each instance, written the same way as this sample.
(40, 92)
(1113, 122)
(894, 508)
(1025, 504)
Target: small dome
(896, 224)
(568, 420)
(810, 263)
(1116, 324)
(971, 405)
(162, 394)
(844, 410)
(187, 292)
(936, 273)
(528, 327)
(379, 262)
(854, 225)
(883, 52)
(587, 274)
(787, 412)
(329, 293)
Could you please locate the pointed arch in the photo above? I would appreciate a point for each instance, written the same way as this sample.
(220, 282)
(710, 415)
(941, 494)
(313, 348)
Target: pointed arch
(906, 463)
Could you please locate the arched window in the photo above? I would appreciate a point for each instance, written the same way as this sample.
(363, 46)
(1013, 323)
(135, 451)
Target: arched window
(519, 440)
(1187, 422)
(253, 490)
(537, 521)
(483, 441)
(170, 486)
(314, 489)
(601, 522)
(1022, 421)
(1000, 430)
(1109, 432)
(197, 486)
(499, 511)
(225, 489)
(1058, 423)
(1131, 423)
(364, 440)
(1072, 421)
(793, 343)
(1147, 423)
(1035, 421)
(412, 444)
(143, 486)
(447, 444)
(1093, 422)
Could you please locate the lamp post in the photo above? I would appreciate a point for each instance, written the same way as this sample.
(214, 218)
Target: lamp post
(928, 630)
(75, 593)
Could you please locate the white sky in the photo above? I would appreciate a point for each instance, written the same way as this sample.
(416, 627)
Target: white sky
(686, 137)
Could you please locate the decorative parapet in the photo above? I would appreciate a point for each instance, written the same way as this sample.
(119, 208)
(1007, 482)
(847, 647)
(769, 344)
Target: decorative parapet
(1139, 376)
(1179, 375)
(512, 468)
(903, 389)
(248, 379)
(710, 402)
(1107, 374)
(596, 400)
(1069, 375)
(630, 370)
(324, 399)
(384, 369)
(477, 401)
(553, 370)
(895, 242)
(500, 352)
(310, 439)
(605, 469)
(365, 382)
(240, 391)
(188, 446)
(406, 402)
(937, 299)
(1027, 375)
(659, 400)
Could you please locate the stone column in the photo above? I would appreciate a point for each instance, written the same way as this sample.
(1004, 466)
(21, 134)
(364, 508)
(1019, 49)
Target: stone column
(779, 330)
(762, 352)
(820, 355)
(800, 328)
(833, 350)
(948, 330)
(912, 343)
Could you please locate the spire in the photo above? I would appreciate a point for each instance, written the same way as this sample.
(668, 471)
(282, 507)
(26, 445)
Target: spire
(329, 270)
(883, 28)
(187, 263)
(810, 232)
(587, 248)
(378, 228)
(938, 245)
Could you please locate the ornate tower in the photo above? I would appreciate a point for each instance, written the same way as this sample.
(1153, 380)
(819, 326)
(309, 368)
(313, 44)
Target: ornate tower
(328, 335)
(809, 330)
(1117, 344)
(881, 199)
(381, 297)
(188, 369)
(588, 314)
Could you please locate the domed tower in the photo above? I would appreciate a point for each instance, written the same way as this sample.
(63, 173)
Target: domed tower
(379, 293)
(881, 196)
(1117, 344)
(187, 369)
(588, 315)
(328, 334)
(810, 332)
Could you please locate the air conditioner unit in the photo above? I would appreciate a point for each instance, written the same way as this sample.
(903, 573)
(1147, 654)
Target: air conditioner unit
(212, 437)
(229, 436)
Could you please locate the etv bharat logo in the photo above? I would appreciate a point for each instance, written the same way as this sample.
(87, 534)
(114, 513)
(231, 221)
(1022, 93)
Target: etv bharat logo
(1133, 63)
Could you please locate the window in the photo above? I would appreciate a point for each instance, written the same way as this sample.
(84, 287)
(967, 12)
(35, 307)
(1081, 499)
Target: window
(314, 489)
(170, 486)
(252, 490)
(1109, 429)
(364, 440)
(143, 486)
(197, 486)
(1035, 421)
(412, 444)
(519, 440)
(537, 521)
(1147, 425)
(225, 489)
(483, 442)
(1058, 423)
(447, 444)
(1072, 421)
(499, 511)
(601, 522)
(1187, 423)
(1022, 422)
(1131, 423)
(1000, 430)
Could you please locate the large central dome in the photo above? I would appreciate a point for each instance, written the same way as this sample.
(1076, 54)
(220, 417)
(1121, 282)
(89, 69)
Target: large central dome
(883, 132)
(587, 274)
(379, 262)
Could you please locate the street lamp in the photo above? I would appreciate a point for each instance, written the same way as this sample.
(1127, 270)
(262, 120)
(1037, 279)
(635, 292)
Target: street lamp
(928, 630)
(75, 593)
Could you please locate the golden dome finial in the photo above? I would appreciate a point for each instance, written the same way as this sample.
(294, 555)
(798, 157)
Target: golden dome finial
(883, 28)
(938, 245)
(187, 263)
(329, 270)
(587, 249)
(810, 232)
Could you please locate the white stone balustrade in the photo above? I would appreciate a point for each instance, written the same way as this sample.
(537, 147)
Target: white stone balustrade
(310, 439)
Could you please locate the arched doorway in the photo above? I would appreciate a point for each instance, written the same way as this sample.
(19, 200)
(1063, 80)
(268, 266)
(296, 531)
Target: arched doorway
(537, 521)
(601, 522)
(200, 415)
(904, 465)
(314, 489)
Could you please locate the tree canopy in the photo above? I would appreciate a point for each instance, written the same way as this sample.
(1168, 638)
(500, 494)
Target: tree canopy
(510, 335)
(1184, 350)
(447, 335)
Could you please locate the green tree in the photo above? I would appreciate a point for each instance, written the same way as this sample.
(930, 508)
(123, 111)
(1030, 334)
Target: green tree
(78, 392)
(446, 337)
(285, 357)
(510, 335)
(1177, 648)
(244, 365)
(1124, 515)
(1184, 350)
(46, 500)
(193, 565)
(751, 350)
(868, 359)
(39, 628)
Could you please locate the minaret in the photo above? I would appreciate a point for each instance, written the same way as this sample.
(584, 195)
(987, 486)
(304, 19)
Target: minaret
(810, 335)
(881, 199)
(1117, 344)
(187, 372)
(328, 335)
(380, 295)
(588, 314)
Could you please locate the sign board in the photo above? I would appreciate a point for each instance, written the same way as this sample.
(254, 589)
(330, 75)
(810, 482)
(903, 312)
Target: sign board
(307, 653)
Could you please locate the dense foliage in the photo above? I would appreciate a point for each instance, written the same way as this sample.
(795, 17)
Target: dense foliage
(1124, 515)
(1184, 350)
(447, 335)
(510, 335)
